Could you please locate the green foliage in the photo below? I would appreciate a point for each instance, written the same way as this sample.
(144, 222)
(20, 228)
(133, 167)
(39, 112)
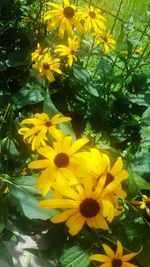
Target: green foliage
(108, 99)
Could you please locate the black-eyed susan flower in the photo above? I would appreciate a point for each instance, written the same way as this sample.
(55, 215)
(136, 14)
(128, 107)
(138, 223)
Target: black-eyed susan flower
(142, 204)
(69, 51)
(39, 53)
(65, 16)
(105, 38)
(47, 66)
(26, 19)
(83, 204)
(112, 259)
(93, 20)
(99, 164)
(40, 126)
(61, 163)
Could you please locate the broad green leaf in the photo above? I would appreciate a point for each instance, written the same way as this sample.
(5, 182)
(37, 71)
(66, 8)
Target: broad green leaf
(5, 255)
(91, 89)
(17, 58)
(75, 257)
(27, 183)
(30, 204)
(28, 95)
(104, 68)
(81, 75)
(141, 183)
(132, 188)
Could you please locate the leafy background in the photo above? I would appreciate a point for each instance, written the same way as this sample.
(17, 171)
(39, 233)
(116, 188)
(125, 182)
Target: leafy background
(108, 98)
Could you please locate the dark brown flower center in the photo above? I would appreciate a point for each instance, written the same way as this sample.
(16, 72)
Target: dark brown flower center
(92, 14)
(105, 39)
(48, 124)
(72, 52)
(61, 160)
(116, 263)
(46, 66)
(89, 208)
(109, 179)
(68, 12)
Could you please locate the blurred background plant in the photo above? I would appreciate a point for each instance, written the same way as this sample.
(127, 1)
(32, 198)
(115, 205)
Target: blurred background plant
(104, 87)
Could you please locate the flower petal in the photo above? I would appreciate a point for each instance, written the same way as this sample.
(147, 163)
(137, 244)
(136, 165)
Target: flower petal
(76, 226)
(100, 257)
(119, 250)
(63, 216)
(58, 203)
(108, 251)
(77, 145)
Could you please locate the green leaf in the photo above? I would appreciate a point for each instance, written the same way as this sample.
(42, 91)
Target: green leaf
(30, 204)
(7, 235)
(141, 183)
(17, 58)
(28, 95)
(75, 256)
(91, 89)
(132, 188)
(5, 255)
(104, 68)
(51, 110)
(81, 75)
(44, 254)
(27, 183)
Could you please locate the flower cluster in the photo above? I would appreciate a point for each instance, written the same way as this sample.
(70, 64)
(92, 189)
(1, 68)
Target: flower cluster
(85, 187)
(83, 181)
(73, 24)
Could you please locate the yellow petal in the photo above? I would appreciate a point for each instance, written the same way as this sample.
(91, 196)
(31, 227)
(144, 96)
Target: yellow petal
(101, 222)
(130, 256)
(77, 226)
(58, 203)
(78, 144)
(39, 164)
(108, 251)
(56, 133)
(100, 258)
(117, 167)
(66, 143)
(45, 180)
(63, 216)
(119, 250)
(48, 152)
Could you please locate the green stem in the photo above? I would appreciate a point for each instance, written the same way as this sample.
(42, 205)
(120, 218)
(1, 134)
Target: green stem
(5, 114)
(90, 53)
(116, 17)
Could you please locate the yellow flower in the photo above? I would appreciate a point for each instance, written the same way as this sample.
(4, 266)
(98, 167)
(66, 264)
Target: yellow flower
(65, 16)
(82, 204)
(62, 163)
(92, 19)
(69, 50)
(143, 204)
(106, 40)
(47, 66)
(99, 163)
(39, 53)
(112, 259)
(26, 19)
(41, 125)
